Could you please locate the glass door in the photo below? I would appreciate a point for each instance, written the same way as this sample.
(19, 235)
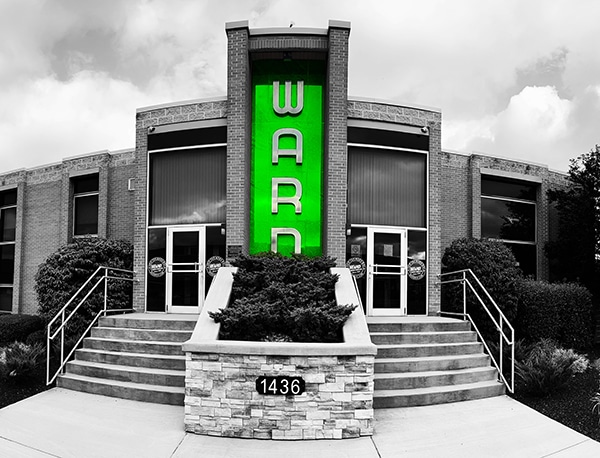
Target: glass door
(386, 271)
(185, 266)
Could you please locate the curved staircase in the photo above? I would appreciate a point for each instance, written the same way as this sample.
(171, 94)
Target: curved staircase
(429, 360)
(135, 356)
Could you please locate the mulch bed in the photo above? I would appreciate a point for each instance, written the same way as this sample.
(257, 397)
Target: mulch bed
(571, 406)
(11, 392)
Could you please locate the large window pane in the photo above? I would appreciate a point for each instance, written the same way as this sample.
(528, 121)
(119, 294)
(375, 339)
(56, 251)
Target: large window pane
(157, 255)
(8, 198)
(416, 295)
(85, 184)
(7, 264)
(188, 187)
(6, 299)
(8, 224)
(86, 215)
(386, 187)
(507, 220)
(494, 186)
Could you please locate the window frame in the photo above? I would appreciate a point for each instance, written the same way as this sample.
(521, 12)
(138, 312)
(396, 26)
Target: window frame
(13, 242)
(509, 242)
(74, 205)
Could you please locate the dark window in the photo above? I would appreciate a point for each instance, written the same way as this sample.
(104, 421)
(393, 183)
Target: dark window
(508, 214)
(8, 224)
(387, 187)
(85, 205)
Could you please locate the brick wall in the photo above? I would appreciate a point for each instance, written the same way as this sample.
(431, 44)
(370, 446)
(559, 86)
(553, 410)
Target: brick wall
(120, 199)
(221, 397)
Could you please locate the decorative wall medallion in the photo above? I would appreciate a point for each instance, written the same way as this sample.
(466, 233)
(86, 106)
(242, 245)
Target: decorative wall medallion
(213, 265)
(416, 269)
(157, 267)
(357, 267)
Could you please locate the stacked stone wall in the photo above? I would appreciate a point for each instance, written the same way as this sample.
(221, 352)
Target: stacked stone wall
(222, 400)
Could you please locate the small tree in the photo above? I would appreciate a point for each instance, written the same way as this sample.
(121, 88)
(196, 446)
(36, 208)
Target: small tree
(576, 253)
(66, 270)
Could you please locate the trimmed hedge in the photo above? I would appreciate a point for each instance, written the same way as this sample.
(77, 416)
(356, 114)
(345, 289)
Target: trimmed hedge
(18, 327)
(64, 271)
(495, 266)
(558, 311)
(280, 298)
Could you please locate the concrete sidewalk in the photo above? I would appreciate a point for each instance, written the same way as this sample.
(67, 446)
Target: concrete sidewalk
(63, 423)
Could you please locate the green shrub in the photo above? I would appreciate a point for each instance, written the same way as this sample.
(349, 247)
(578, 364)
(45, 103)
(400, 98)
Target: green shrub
(19, 361)
(18, 327)
(495, 266)
(548, 368)
(559, 311)
(64, 271)
(277, 299)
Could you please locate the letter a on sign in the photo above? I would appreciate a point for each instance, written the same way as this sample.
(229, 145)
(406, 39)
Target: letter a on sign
(297, 152)
(287, 107)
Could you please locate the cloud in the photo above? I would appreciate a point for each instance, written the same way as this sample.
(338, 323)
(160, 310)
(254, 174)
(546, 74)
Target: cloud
(57, 119)
(537, 126)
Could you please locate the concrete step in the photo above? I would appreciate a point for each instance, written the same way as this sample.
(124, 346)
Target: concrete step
(146, 321)
(388, 338)
(144, 375)
(132, 346)
(161, 335)
(431, 363)
(421, 326)
(125, 390)
(411, 380)
(383, 399)
(173, 362)
(424, 350)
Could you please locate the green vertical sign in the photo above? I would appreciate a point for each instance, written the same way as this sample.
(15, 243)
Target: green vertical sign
(286, 196)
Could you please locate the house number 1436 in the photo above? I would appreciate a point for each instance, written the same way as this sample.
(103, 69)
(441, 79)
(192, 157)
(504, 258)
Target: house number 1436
(282, 385)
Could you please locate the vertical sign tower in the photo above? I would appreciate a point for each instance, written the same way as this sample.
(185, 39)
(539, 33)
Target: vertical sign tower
(286, 171)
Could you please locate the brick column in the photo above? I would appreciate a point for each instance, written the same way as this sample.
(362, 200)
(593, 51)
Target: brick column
(336, 142)
(139, 213)
(238, 137)
(434, 230)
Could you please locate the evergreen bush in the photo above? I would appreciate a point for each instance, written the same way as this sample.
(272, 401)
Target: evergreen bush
(18, 327)
(558, 311)
(66, 270)
(495, 266)
(280, 298)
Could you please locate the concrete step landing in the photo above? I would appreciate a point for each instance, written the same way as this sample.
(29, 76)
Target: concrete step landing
(428, 360)
(134, 356)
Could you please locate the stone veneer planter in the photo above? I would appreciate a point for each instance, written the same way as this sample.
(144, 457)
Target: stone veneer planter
(221, 397)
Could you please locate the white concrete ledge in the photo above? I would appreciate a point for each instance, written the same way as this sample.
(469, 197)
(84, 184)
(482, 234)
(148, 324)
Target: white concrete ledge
(205, 338)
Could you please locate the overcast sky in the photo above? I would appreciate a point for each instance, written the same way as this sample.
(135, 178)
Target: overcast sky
(517, 79)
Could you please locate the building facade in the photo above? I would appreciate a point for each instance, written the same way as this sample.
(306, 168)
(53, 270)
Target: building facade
(285, 162)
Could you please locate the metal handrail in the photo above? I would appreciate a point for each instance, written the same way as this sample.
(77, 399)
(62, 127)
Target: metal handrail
(501, 323)
(63, 321)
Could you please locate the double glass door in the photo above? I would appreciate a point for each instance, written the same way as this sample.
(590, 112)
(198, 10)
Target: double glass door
(386, 271)
(184, 269)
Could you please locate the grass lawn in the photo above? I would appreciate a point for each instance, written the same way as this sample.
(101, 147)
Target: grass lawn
(571, 406)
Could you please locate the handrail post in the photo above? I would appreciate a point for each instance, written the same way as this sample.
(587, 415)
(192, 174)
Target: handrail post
(464, 285)
(48, 354)
(501, 346)
(105, 288)
(62, 338)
